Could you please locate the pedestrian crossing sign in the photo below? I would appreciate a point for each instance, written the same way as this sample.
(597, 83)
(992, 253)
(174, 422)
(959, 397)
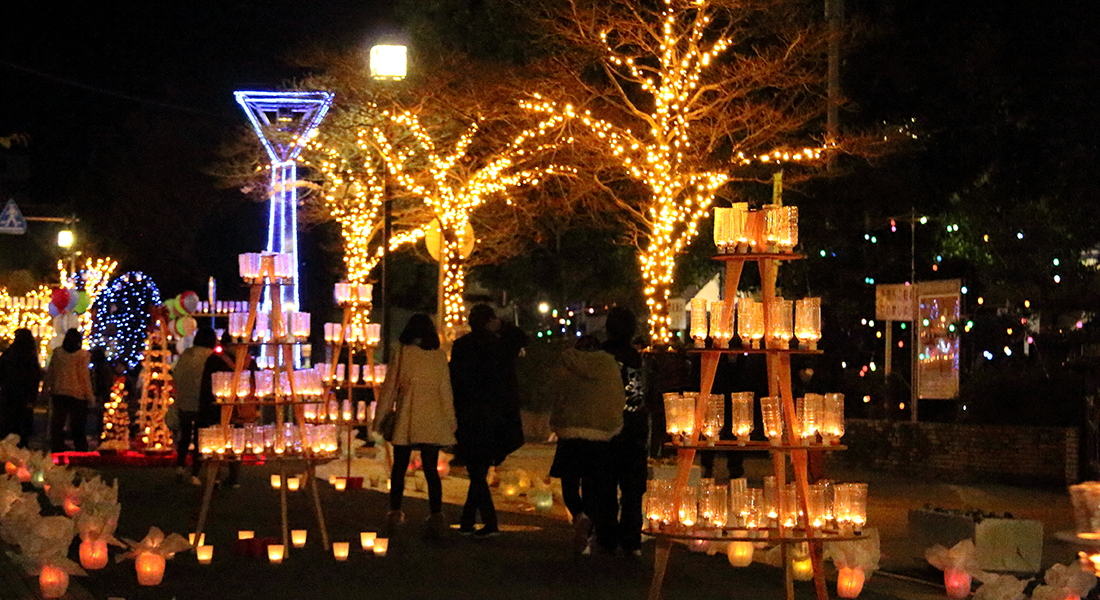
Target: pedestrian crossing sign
(11, 220)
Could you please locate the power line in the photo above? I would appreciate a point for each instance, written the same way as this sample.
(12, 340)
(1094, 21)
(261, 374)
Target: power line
(112, 93)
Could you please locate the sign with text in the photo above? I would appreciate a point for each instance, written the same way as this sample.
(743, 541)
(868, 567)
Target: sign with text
(939, 307)
(894, 302)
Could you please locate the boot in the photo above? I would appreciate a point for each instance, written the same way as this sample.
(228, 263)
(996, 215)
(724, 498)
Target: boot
(435, 527)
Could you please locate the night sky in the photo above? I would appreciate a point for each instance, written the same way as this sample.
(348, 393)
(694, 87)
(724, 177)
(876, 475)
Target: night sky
(126, 105)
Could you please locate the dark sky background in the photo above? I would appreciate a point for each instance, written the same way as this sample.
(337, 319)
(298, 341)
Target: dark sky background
(126, 105)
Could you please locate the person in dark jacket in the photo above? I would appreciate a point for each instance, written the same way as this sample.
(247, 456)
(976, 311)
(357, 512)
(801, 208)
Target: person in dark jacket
(487, 406)
(20, 374)
(631, 445)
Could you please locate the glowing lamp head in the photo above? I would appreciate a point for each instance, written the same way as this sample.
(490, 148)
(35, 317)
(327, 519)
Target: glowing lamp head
(387, 62)
(65, 239)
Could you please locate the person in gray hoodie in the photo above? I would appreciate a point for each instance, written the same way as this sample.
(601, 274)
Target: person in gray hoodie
(588, 412)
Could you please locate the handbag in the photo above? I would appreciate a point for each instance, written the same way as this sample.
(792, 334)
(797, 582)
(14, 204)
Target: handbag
(389, 421)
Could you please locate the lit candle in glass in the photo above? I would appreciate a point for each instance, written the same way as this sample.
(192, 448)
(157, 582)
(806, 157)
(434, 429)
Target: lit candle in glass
(366, 538)
(292, 483)
(361, 411)
(245, 534)
(201, 539)
(341, 484)
(750, 322)
(298, 537)
(342, 293)
(205, 554)
(721, 228)
(275, 553)
(699, 322)
(340, 550)
(807, 326)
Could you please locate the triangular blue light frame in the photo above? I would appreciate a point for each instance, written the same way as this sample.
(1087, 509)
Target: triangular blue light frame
(305, 111)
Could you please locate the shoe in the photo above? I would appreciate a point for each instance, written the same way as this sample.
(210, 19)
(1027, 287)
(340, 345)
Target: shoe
(582, 534)
(466, 530)
(435, 526)
(195, 480)
(394, 519)
(487, 532)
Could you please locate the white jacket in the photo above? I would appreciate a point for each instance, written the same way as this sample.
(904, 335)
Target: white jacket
(420, 384)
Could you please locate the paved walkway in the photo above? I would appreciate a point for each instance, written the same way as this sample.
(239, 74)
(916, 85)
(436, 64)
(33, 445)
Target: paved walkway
(531, 559)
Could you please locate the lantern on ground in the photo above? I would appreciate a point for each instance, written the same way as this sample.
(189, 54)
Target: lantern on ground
(53, 581)
(849, 582)
(957, 583)
(298, 538)
(366, 539)
(93, 554)
(381, 546)
(275, 553)
(150, 568)
(340, 550)
(205, 554)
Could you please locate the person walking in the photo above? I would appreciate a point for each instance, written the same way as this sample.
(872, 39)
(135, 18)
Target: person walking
(631, 445)
(20, 375)
(588, 413)
(418, 390)
(187, 378)
(487, 405)
(69, 382)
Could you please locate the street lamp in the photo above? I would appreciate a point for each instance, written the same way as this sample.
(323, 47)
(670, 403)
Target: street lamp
(65, 239)
(387, 63)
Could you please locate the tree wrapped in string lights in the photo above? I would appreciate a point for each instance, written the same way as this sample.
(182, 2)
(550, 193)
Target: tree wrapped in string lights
(691, 91)
(461, 143)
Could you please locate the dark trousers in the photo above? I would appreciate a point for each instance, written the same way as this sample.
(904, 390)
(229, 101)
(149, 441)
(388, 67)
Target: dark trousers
(587, 472)
(75, 411)
(478, 498)
(189, 433)
(19, 419)
(429, 459)
(631, 473)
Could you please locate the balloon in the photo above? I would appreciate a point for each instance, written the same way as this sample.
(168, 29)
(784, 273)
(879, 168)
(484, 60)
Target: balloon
(185, 326)
(175, 311)
(60, 298)
(189, 301)
(74, 297)
(83, 302)
(53, 309)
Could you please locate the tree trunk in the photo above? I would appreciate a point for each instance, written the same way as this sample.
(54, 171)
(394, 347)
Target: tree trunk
(452, 272)
(657, 270)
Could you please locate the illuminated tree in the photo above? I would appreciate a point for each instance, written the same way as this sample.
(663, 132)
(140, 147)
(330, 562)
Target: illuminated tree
(683, 94)
(460, 144)
(116, 419)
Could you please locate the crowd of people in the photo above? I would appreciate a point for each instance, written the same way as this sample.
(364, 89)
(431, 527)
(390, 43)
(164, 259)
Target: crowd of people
(469, 402)
(473, 404)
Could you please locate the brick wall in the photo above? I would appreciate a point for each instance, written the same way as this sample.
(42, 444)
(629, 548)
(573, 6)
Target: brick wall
(963, 453)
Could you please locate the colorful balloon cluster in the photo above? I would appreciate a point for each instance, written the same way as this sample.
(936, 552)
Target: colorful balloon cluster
(63, 300)
(180, 321)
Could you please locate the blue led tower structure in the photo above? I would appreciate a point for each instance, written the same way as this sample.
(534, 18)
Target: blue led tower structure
(284, 122)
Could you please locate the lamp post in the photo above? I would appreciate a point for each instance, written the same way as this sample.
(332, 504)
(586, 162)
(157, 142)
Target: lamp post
(387, 63)
(65, 241)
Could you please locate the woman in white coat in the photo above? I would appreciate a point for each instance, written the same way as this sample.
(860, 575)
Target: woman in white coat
(418, 388)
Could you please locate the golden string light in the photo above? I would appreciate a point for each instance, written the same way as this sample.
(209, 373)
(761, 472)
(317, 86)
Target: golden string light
(452, 191)
(681, 193)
